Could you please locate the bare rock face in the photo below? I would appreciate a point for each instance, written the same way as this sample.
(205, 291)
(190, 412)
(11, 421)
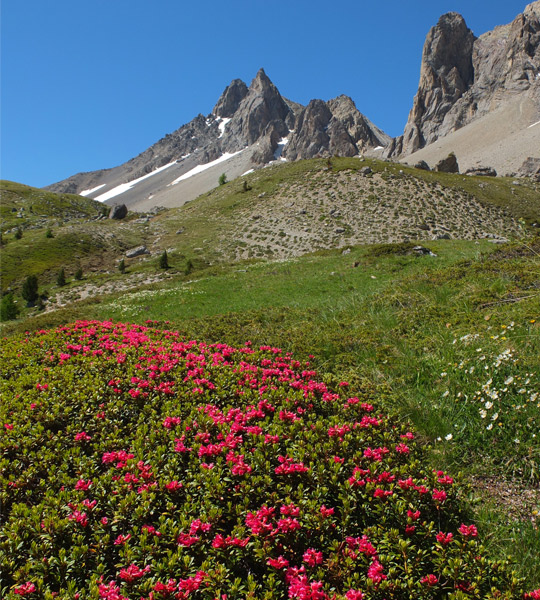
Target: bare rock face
(230, 100)
(332, 128)
(463, 77)
(446, 73)
(261, 105)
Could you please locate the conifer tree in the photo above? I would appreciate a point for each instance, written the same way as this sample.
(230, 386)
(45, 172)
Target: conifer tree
(30, 289)
(61, 278)
(164, 260)
(8, 309)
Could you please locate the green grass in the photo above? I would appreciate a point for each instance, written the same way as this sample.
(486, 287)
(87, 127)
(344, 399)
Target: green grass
(36, 205)
(418, 331)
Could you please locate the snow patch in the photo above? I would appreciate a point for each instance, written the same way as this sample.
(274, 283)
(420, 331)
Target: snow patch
(281, 144)
(379, 148)
(124, 187)
(248, 172)
(88, 192)
(201, 168)
(222, 122)
(537, 123)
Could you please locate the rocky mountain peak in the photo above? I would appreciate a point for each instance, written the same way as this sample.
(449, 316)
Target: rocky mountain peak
(230, 100)
(261, 83)
(463, 78)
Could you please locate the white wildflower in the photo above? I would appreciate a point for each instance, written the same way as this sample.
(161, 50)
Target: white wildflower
(509, 380)
(448, 437)
(489, 427)
(483, 413)
(488, 405)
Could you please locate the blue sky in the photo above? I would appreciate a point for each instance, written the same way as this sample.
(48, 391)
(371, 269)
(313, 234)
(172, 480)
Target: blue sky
(88, 84)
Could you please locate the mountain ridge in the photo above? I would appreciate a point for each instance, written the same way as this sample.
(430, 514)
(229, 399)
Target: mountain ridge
(254, 122)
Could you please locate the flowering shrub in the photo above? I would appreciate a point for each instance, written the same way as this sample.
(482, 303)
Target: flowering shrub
(139, 465)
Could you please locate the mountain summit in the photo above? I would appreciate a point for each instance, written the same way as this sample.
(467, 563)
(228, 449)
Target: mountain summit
(465, 79)
(248, 128)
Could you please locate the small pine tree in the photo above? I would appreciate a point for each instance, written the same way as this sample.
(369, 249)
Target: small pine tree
(78, 274)
(222, 179)
(30, 289)
(61, 278)
(18, 233)
(49, 233)
(122, 266)
(164, 260)
(189, 267)
(8, 309)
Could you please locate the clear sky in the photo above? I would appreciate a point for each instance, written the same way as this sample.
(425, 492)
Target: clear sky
(88, 84)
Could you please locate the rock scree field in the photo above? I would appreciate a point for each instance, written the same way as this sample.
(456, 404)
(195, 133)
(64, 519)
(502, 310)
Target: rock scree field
(139, 464)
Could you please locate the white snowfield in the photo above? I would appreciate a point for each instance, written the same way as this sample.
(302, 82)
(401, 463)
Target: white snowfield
(281, 144)
(88, 192)
(222, 122)
(124, 187)
(201, 168)
(537, 123)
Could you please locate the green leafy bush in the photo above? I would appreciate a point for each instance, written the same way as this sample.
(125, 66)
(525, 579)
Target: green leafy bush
(137, 464)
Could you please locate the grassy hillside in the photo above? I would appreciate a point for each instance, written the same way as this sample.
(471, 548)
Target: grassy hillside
(25, 206)
(282, 211)
(448, 341)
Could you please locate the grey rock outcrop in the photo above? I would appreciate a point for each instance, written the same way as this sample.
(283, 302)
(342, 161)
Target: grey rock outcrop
(530, 168)
(448, 164)
(463, 77)
(138, 251)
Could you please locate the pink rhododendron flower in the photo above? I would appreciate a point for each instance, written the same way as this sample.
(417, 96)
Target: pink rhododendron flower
(278, 563)
(439, 495)
(444, 538)
(25, 589)
(133, 572)
(375, 572)
(312, 557)
(122, 539)
(429, 580)
(327, 512)
(468, 530)
(110, 592)
(83, 485)
(354, 595)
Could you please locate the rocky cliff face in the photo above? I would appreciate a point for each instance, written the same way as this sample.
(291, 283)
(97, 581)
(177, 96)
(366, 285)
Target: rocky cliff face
(256, 119)
(463, 77)
(332, 128)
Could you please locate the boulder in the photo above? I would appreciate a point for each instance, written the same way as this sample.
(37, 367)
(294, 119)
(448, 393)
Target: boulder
(119, 211)
(530, 168)
(481, 172)
(422, 164)
(448, 164)
(138, 251)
